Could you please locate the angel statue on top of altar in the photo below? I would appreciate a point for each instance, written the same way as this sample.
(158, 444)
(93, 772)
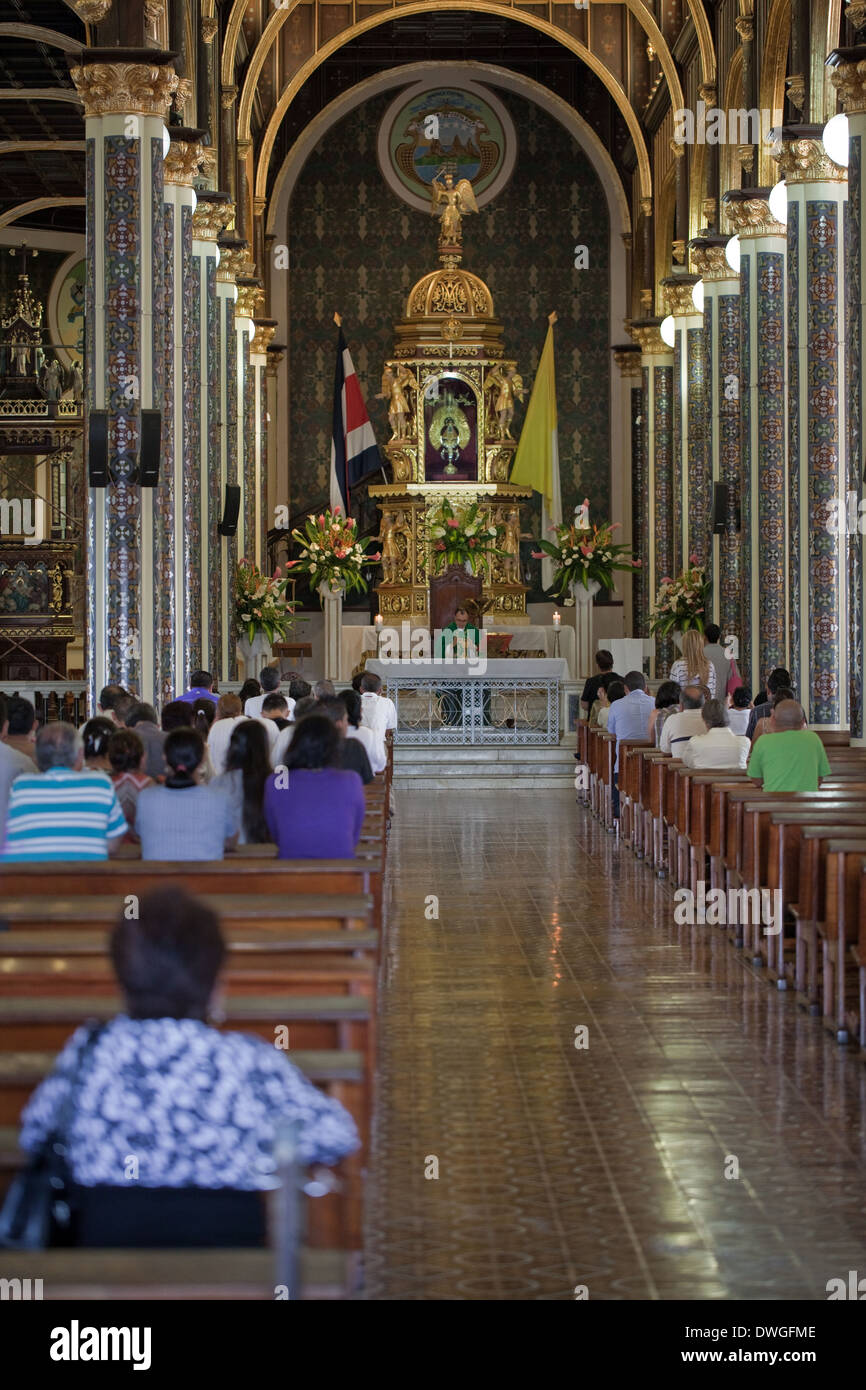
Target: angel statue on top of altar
(581, 516)
(458, 201)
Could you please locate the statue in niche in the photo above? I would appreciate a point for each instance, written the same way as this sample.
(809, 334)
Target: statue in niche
(505, 384)
(391, 528)
(394, 388)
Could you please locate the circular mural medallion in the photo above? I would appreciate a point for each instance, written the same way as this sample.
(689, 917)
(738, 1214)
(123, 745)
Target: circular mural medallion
(66, 312)
(462, 130)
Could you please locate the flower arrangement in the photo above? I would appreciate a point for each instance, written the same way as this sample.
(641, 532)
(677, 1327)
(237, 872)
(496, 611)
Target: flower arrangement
(331, 552)
(585, 554)
(260, 602)
(683, 602)
(462, 537)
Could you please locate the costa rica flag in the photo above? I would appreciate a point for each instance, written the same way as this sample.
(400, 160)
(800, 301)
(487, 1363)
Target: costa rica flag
(354, 451)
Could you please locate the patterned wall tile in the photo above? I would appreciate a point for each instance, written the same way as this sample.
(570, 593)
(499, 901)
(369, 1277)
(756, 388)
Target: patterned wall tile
(794, 430)
(854, 342)
(772, 495)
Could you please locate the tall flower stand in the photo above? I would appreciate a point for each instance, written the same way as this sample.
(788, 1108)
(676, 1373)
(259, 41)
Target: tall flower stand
(252, 656)
(332, 608)
(583, 597)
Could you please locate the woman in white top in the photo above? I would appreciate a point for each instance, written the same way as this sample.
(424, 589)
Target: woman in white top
(228, 716)
(608, 696)
(739, 710)
(719, 746)
(693, 668)
(374, 747)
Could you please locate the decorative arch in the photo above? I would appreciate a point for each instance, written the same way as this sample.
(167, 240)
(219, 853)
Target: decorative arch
(774, 66)
(37, 205)
(729, 164)
(50, 37)
(666, 203)
(373, 21)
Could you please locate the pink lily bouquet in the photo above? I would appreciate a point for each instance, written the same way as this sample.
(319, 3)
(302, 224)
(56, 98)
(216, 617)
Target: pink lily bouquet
(331, 553)
(462, 537)
(261, 604)
(584, 554)
(683, 602)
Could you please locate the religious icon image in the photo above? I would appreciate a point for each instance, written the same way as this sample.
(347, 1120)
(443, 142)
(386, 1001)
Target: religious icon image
(450, 434)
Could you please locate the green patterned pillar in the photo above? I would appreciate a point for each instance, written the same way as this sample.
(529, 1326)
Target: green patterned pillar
(260, 519)
(763, 406)
(721, 287)
(818, 573)
(691, 475)
(657, 368)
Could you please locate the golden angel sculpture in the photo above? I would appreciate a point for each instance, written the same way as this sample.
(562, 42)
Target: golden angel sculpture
(458, 200)
(504, 385)
(394, 388)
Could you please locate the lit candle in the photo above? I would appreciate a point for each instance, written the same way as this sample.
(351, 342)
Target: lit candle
(557, 619)
(378, 620)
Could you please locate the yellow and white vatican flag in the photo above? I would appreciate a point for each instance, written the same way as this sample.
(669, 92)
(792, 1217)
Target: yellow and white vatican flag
(536, 463)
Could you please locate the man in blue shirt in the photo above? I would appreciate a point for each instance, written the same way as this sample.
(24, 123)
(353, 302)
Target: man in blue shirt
(202, 688)
(629, 718)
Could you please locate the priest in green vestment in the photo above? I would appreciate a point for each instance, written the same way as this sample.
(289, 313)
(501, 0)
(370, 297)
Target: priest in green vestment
(459, 639)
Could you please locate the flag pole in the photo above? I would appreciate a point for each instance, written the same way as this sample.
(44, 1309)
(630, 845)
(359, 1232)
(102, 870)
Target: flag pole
(338, 319)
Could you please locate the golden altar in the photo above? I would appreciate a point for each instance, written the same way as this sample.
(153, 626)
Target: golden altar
(451, 391)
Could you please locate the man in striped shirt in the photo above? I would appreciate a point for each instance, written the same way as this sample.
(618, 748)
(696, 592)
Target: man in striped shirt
(62, 812)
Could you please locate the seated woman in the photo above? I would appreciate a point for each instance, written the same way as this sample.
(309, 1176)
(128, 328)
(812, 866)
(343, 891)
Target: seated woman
(126, 754)
(197, 1109)
(248, 767)
(693, 667)
(667, 700)
(604, 682)
(352, 700)
(609, 696)
(184, 820)
(719, 746)
(96, 734)
(314, 809)
(739, 704)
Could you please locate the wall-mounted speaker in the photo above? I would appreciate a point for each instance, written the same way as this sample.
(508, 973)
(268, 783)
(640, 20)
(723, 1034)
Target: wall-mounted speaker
(151, 441)
(721, 502)
(97, 448)
(231, 507)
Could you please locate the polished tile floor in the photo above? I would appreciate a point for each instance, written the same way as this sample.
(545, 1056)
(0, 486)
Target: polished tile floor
(704, 1139)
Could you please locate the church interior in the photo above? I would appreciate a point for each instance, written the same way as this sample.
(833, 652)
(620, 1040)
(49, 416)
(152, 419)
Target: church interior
(432, 457)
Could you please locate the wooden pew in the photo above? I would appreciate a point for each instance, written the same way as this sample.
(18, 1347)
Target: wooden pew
(628, 780)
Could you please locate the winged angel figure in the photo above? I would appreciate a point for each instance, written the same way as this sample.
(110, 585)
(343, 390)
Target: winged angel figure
(458, 201)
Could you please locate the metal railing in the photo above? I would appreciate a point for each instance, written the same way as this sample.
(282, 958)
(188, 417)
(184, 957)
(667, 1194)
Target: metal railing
(52, 700)
(480, 710)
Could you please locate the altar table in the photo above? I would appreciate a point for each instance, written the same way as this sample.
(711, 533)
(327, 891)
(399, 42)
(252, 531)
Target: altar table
(497, 702)
(355, 641)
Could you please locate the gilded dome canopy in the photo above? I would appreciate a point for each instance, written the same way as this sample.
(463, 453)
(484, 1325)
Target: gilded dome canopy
(449, 290)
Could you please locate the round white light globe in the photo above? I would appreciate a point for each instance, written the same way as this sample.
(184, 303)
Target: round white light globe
(836, 139)
(667, 329)
(732, 253)
(166, 141)
(194, 199)
(698, 296)
(216, 248)
(778, 201)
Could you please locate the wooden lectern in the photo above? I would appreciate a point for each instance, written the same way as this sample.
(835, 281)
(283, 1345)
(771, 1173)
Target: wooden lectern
(448, 591)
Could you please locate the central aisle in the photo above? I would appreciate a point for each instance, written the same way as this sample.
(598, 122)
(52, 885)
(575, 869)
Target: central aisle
(602, 1166)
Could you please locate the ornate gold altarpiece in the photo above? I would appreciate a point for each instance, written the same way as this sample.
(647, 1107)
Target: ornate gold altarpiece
(451, 389)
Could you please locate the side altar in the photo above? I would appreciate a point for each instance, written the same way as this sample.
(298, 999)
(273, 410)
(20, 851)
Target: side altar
(451, 390)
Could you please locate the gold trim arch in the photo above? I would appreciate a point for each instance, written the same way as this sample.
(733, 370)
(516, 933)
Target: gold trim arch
(373, 21)
(774, 66)
(38, 205)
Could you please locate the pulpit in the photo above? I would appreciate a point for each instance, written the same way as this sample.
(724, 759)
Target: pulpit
(450, 591)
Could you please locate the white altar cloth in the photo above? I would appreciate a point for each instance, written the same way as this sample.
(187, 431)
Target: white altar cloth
(497, 668)
(357, 640)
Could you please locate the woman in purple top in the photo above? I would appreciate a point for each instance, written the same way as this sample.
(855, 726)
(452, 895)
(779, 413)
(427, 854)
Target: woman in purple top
(314, 809)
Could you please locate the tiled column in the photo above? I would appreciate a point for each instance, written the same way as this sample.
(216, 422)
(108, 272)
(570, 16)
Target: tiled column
(232, 261)
(628, 359)
(722, 348)
(817, 194)
(177, 501)
(764, 504)
(250, 295)
(691, 475)
(275, 431)
(125, 106)
(260, 518)
(849, 79)
(657, 367)
(213, 212)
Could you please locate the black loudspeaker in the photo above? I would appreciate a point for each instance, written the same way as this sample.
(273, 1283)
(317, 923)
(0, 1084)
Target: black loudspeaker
(231, 507)
(721, 494)
(97, 448)
(151, 443)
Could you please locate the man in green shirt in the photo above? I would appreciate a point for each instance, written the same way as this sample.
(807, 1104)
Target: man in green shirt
(790, 757)
(459, 641)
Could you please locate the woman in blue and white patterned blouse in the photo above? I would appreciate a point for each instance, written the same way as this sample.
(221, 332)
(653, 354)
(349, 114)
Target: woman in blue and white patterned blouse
(192, 1106)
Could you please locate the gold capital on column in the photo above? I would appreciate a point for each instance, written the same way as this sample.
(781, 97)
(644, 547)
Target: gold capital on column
(628, 361)
(186, 160)
(233, 259)
(264, 336)
(677, 291)
(806, 161)
(209, 29)
(92, 11)
(648, 338)
(251, 295)
(849, 79)
(856, 13)
(709, 262)
(228, 95)
(126, 89)
(745, 27)
(646, 207)
(751, 217)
